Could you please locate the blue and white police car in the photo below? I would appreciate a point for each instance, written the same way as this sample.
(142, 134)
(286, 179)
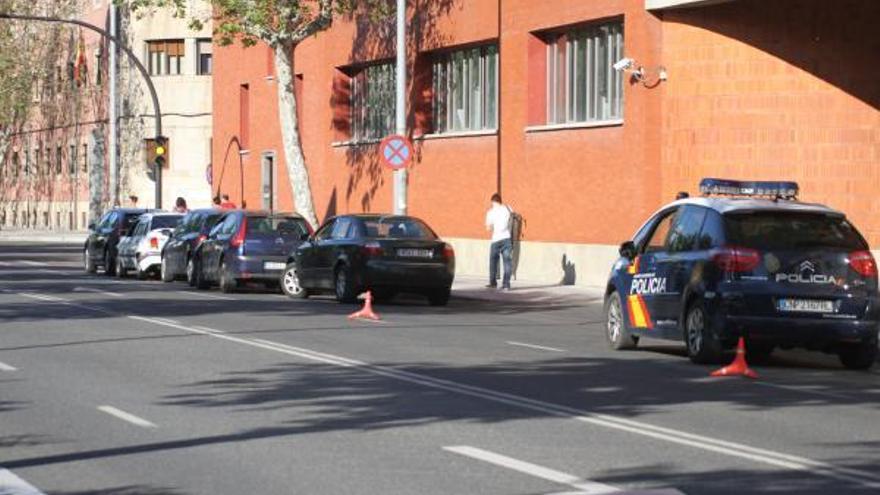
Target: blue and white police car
(747, 259)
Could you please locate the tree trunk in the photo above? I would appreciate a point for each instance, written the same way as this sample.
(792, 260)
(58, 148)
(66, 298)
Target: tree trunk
(297, 173)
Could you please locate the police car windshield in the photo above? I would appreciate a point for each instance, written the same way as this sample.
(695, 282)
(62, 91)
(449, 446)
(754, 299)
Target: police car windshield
(782, 230)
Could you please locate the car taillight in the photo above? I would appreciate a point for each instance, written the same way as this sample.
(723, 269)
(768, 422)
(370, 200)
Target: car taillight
(238, 239)
(448, 251)
(863, 263)
(201, 238)
(154, 242)
(372, 249)
(736, 259)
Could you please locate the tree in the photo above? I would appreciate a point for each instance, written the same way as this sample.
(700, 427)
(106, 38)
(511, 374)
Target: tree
(283, 25)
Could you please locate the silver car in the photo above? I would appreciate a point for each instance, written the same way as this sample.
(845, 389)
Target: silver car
(140, 250)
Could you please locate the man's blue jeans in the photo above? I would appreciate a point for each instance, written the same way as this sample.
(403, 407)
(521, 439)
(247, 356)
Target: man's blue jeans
(502, 248)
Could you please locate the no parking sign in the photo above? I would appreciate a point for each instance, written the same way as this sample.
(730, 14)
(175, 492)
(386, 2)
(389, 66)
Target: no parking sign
(396, 151)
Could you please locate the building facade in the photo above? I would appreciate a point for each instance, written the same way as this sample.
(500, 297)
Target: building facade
(56, 171)
(515, 97)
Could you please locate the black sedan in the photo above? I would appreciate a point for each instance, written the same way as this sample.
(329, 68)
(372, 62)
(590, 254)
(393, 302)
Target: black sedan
(100, 247)
(385, 254)
(248, 246)
(190, 232)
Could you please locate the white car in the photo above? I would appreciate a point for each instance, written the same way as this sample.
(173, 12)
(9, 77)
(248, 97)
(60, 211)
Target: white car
(141, 248)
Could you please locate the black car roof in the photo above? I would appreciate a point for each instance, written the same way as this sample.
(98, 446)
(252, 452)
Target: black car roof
(725, 205)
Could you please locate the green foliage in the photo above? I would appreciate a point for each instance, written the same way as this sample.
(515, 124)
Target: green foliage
(275, 22)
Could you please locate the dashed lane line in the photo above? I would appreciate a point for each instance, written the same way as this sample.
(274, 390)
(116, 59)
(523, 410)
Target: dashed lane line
(535, 346)
(208, 296)
(669, 435)
(6, 367)
(585, 487)
(128, 417)
(98, 291)
(33, 263)
(10, 484)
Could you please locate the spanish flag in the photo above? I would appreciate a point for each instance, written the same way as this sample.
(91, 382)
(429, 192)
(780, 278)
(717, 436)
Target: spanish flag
(80, 69)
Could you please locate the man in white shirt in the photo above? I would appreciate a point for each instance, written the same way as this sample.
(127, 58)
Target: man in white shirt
(498, 221)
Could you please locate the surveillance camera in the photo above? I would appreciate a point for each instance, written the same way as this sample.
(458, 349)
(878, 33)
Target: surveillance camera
(624, 64)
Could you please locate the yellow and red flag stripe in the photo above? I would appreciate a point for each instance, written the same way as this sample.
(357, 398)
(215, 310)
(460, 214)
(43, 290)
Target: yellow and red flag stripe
(638, 312)
(633, 267)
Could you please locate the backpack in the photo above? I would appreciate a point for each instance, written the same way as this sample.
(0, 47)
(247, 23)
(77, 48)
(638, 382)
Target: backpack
(514, 224)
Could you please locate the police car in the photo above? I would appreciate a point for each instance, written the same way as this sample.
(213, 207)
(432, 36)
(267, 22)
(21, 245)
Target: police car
(747, 259)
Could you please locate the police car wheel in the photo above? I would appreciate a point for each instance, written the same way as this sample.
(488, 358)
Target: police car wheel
(858, 356)
(702, 345)
(618, 334)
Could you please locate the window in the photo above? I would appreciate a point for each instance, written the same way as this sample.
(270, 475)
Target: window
(657, 241)
(686, 231)
(342, 229)
(325, 232)
(71, 160)
(58, 160)
(165, 57)
(373, 102)
(16, 164)
(27, 163)
(582, 86)
(85, 158)
(205, 57)
(466, 90)
(244, 116)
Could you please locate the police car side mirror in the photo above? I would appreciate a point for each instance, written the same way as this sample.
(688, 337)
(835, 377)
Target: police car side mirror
(628, 250)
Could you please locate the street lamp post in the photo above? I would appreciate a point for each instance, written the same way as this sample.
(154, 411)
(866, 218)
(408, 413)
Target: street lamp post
(400, 199)
(134, 60)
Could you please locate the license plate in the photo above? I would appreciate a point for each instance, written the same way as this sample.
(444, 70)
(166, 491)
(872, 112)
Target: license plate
(805, 305)
(273, 265)
(415, 253)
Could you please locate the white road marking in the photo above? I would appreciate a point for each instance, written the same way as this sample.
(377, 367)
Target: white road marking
(670, 435)
(583, 486)
(167, 320)
(98, 291)
(6, 367)
(131, 418)
(535, 346)
(42, 297)
(209, 296)
(10, 484)
(33, 263)
(804, 390)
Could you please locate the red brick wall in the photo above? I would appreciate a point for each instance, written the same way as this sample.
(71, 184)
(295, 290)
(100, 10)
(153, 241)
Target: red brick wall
(593, 185)
(777, 90)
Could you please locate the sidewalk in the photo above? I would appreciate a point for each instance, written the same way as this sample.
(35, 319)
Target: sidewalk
(12, 234)
(531, 292)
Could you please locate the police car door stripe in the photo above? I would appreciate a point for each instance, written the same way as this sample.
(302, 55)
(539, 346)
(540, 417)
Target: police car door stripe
(638, 312)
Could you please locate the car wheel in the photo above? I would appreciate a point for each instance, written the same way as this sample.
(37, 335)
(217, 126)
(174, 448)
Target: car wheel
(88, 264)
(199, 276)
(109, 264)
(345, 291)
(121, 272)
(858, 356)
(702, 345)
(191, 272)
(439, 297)
(619, 337)
(228, 283)
(164, 273)
(290, 283)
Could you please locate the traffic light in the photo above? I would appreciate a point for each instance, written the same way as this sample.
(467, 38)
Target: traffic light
(157, 155)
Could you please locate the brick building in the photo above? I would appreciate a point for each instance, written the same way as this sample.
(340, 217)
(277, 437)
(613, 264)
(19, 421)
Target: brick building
(515, 96)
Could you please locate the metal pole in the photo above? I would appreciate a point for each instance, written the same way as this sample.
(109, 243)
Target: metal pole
(400, 106)
(111, 113)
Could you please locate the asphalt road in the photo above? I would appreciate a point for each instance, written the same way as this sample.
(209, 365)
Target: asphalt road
(139, 387)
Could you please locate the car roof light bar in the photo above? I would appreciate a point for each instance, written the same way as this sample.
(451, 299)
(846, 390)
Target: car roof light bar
(773, 189)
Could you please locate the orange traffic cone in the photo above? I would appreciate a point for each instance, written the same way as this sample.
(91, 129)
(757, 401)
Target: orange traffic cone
(367, 311)
(739, 366)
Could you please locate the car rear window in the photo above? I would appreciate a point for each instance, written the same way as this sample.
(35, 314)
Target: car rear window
(398, 228)
(782, 230)
(289, 226)
(207, 222)
(165, 222)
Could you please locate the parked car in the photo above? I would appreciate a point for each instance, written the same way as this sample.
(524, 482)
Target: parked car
(386, 254)
(141, 249)
(190, 232)
(248, 246)
(99, 250)
(752, 263)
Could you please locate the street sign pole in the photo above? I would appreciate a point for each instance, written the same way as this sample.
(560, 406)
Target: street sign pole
(400, 191)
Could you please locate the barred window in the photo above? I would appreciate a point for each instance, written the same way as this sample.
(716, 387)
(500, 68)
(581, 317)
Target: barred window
(466, 90)
(205, 57)
(373, 102)
(582, 85)
(165, 57)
